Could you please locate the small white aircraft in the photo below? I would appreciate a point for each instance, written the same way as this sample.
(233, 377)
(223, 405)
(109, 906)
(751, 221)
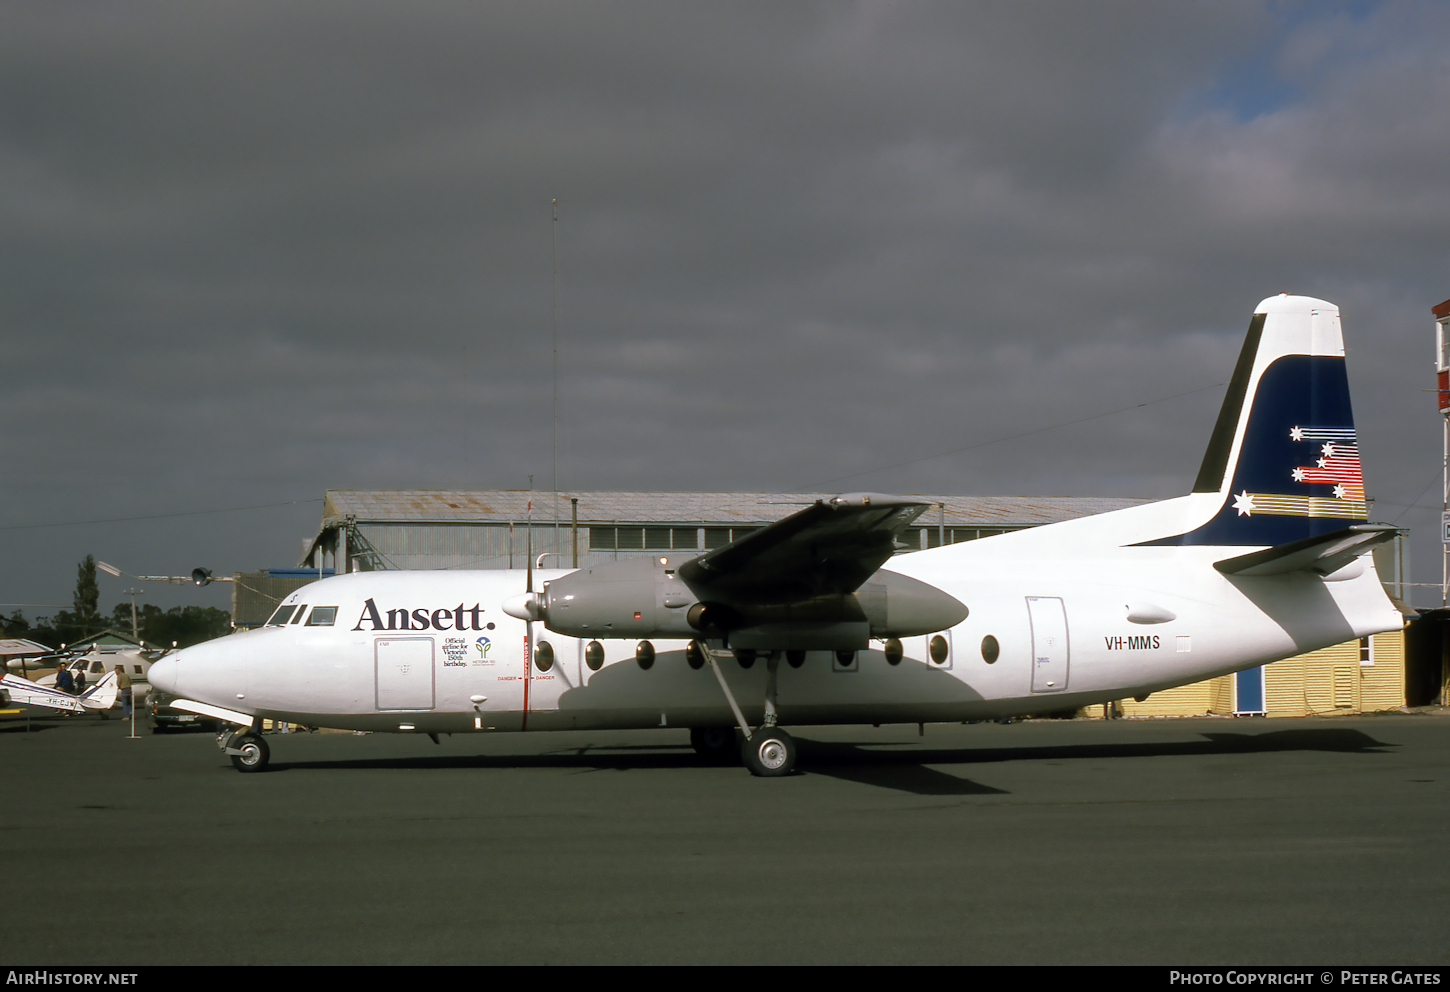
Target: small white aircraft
(1267, 557)
(16, 691)
(98, 662)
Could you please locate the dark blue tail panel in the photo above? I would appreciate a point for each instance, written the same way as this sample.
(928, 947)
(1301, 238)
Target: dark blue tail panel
(1298, 470)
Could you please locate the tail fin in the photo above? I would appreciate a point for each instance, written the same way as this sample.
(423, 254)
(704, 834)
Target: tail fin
(102, 695)
(1283, 458)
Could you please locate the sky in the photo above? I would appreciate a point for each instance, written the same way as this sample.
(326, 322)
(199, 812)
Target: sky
(252, 251)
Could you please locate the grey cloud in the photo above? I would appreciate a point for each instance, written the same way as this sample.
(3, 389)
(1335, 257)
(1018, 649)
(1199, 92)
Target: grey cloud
(254, 250)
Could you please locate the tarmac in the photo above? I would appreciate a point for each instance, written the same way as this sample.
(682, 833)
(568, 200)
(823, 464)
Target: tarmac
(1177, 842)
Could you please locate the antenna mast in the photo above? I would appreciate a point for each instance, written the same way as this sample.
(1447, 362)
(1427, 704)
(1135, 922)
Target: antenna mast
(554, 333)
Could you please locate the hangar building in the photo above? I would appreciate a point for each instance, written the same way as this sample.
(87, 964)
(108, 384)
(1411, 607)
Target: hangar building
(364, 530)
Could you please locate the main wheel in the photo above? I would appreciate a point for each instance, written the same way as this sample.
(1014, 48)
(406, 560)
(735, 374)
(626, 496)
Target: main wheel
(769, 752)
(255, 754)
(713, 743)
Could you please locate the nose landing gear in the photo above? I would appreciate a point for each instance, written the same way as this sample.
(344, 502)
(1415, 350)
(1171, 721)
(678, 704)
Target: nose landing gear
(248, 751)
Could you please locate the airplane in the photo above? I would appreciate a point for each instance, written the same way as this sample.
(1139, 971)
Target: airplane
(98, 662)
(1267, 557)
(16, 691)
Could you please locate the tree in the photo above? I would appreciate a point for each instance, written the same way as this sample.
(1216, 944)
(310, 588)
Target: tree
(186, 625)
(16, 625)
(87, 595)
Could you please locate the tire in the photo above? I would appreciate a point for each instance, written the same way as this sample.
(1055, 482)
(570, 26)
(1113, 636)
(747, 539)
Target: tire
(769, 753)
(255, 754)
(714, 744)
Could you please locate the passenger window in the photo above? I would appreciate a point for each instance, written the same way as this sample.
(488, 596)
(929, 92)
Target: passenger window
(322, 616)
(138, 669)
(281, 616)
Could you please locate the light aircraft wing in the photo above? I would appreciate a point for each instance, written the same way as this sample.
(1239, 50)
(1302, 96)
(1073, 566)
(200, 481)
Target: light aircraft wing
(829, 548)
(19, 691)
(23, 692)
(1324, 554)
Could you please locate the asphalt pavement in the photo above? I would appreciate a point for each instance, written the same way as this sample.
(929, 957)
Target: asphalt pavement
(1168, 842)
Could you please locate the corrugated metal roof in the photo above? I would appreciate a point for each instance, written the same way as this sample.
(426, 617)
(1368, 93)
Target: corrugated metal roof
(418, 505)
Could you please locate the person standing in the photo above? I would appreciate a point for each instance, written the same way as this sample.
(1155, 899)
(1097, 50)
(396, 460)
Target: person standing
(63, 680)
(123, 685)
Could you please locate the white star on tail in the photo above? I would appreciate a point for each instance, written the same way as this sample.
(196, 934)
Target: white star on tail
(1244, 503)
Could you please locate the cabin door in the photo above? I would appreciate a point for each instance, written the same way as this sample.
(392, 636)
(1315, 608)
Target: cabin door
(1049, 643)
(404, 672)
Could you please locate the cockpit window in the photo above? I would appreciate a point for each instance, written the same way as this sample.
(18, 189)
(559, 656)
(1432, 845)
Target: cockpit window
(281, 616)
(322, 616)
(300, 611)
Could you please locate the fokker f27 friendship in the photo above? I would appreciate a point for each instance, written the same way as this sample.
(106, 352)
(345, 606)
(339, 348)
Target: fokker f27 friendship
(798, 623)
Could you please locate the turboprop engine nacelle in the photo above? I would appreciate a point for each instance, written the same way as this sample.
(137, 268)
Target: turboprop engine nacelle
(644, 598)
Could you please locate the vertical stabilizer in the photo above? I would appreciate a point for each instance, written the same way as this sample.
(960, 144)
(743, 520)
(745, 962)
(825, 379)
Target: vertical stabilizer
(1283, 458)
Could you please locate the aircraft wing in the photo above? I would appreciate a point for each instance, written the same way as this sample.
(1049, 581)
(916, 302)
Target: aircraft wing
(829, 548)
(23, 692)
(1324, 554)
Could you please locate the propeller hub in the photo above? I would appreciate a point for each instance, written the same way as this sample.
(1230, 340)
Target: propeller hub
(525, 606)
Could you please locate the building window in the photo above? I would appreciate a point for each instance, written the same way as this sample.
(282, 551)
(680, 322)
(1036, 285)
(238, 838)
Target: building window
(931, 536)
(718, 537)
(644, 538)
(1366, 653)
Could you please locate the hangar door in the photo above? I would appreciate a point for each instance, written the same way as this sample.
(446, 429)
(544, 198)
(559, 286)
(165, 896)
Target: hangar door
(404, 670)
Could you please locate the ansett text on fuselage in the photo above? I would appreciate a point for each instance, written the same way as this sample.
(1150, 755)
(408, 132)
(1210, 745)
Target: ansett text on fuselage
(421, 619)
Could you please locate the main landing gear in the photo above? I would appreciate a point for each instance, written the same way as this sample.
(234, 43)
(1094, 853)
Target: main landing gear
(770, 752)
(767, 751)
(247, 749)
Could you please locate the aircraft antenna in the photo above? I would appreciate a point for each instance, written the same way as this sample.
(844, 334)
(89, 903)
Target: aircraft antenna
(554, 334)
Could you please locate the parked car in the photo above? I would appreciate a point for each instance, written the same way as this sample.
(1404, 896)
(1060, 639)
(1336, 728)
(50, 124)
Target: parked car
(161, 716)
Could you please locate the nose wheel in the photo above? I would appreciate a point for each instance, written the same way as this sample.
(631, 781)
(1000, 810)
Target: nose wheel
(249, 752)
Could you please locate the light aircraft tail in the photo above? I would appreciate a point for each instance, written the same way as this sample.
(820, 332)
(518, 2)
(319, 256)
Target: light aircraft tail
(1282, 467)
(102, 695)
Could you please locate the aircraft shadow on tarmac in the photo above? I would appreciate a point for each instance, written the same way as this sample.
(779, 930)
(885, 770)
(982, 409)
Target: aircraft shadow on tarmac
(880, 764)
(36, 724)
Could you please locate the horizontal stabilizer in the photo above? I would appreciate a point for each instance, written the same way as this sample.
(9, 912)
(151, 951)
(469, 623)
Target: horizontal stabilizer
(1324, 554)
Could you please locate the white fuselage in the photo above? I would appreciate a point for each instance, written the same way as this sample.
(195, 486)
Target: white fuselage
(1077, 613)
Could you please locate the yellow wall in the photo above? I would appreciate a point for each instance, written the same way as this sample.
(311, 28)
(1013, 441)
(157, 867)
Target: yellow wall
(1330, 680)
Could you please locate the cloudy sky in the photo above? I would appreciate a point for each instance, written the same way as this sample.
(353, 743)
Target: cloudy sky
(253, 251)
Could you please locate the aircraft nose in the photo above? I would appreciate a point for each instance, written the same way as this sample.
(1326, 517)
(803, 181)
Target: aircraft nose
(164, 672)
